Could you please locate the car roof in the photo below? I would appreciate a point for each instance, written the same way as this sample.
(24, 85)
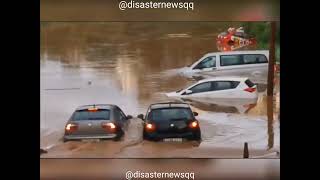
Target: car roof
(224, 78)
(169, 105)
(239, 52)
(99, 106)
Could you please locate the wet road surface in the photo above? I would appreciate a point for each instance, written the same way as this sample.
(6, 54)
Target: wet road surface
(114, 63)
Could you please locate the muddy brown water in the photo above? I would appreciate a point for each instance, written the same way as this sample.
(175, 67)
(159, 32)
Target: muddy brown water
(132, 65)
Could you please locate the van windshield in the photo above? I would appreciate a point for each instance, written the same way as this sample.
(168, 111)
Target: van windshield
(208, 62)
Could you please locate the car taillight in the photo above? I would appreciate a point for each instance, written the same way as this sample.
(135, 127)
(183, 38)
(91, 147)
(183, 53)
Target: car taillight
(150, 127)
(250, 89)
(71, 127)
(111, 127)
(94, 109)
(194, 124)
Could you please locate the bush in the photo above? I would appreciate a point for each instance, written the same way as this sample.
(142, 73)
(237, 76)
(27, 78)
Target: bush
(262, 32)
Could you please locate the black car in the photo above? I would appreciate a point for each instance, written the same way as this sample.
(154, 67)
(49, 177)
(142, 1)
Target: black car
(171, 120)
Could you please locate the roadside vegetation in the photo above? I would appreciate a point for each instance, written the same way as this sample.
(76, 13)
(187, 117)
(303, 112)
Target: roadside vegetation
(262, 32)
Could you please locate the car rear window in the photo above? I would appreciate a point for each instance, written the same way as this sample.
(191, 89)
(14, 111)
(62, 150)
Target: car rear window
(102, 114)
(249, 83)
(170, 114)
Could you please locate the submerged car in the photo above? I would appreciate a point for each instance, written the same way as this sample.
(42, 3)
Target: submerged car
(229, 105)
(170, 121)
(100, 121)
(219, 87)
(253, 64)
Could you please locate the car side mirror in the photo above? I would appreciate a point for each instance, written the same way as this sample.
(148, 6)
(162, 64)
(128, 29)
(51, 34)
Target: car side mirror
(129, 117)
(188, 91)
(195, 114)
(140, 116)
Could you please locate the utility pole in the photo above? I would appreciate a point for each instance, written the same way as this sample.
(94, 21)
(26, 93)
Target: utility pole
(271, 85)
(271, 58)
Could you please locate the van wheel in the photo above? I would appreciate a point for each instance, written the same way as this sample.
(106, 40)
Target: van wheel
(145, 137)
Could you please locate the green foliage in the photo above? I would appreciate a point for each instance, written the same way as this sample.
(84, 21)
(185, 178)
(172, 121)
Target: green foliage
(262, 32)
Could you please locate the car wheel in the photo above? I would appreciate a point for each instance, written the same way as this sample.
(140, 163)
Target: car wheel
(148, 138)
(119, 135)
(145, 137)
(197, 136)
(151, 139)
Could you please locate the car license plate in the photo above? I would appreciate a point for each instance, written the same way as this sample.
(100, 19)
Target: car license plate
(172, 140)
(90, 140)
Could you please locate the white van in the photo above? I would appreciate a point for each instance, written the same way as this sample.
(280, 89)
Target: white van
(252, 64)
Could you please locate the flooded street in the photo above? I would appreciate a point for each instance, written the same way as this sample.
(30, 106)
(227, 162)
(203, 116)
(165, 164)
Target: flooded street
(133, 65)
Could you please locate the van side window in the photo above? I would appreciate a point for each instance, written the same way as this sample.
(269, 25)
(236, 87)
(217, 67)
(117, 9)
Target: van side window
(223, 85)
(203, 87)
(254, 58)
(208, 62)
(229, 60)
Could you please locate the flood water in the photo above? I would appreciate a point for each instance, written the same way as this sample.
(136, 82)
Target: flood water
(132, 65)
